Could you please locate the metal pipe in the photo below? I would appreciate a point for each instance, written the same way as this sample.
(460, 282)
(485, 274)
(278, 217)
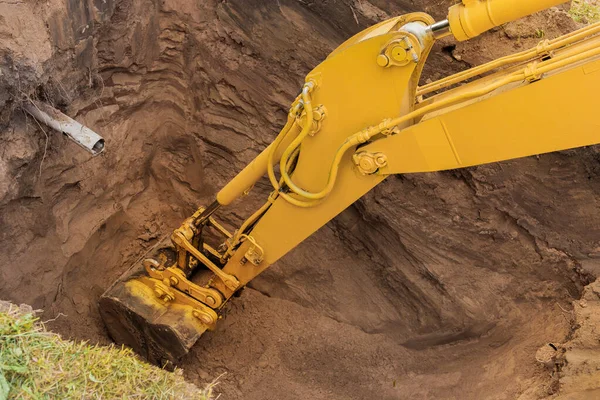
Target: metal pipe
(82, 135)
(440, 29)
(206, 214)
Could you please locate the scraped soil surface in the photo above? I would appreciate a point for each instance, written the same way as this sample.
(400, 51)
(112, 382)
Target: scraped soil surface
(440, 286)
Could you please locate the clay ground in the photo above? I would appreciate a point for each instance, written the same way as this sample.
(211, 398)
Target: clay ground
(437, 286)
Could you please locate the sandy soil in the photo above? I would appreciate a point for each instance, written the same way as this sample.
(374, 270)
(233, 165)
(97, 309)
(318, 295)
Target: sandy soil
(432, 286)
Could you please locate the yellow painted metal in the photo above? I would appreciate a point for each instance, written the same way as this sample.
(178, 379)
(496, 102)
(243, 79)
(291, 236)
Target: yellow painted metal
(248, 176)
(473, 17)
(205, 316)
(543, 48)
(519, 121)
(175, 277)
(258, 167)
(459, 128)
(504, 116)
(357, 92)
(181, 241)
(382, 28)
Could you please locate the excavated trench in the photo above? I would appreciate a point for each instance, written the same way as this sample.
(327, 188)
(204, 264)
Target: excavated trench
(432, 286)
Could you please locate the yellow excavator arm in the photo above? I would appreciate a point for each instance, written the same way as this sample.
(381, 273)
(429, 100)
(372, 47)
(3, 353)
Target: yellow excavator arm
(360, 117)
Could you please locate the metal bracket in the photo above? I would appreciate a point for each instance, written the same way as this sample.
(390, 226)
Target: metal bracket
(206, 315)
(180, 241)
(400, 52)
(319, 114)
(255, 253)
(531, 72)
(175, 278)
(369, 163)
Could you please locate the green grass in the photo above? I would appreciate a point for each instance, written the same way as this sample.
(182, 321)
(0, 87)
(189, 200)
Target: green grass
(585, 11)
(37, 364)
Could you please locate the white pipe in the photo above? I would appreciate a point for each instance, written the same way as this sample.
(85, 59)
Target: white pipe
(82, 135)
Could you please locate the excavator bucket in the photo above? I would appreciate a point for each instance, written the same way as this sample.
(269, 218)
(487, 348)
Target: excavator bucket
(155, 319)
(159, 333)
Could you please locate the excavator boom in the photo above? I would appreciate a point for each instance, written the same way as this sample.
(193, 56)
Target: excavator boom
(361, 116)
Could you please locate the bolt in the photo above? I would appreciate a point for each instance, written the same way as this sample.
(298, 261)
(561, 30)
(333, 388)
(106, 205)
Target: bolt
(204, 318)
(398, 54)
(318, 114)
(173, 281)
(161, 294)
(210, 300)
(367, 165)
(383, 60)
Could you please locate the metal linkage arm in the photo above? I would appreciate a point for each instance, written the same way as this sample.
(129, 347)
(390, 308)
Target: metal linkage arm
(543, 107)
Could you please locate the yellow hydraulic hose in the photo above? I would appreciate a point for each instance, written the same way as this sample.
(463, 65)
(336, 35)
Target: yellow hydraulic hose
(292, 150)
(240, 232)
(286, 129)
(511, 59)
(367, 134)
(308, 125)
(295, 145)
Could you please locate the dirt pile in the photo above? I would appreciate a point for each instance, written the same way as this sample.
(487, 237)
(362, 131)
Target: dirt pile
(432, 286)
(578, 358)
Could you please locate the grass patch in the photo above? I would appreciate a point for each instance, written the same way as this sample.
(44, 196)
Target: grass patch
(585, 11)
(37, 364)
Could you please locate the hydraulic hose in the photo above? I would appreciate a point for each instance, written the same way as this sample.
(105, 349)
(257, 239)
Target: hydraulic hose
(293, 149)
(311, 197)
(284, 132)
(543, 47)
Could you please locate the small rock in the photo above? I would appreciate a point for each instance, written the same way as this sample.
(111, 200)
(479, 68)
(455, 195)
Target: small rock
(146, 237)
(547, 355)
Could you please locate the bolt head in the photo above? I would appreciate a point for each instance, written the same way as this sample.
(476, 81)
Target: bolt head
(399, 54)
(318, 115)
(204, 318)
(383, 60)
(210, 300)
(367, 164)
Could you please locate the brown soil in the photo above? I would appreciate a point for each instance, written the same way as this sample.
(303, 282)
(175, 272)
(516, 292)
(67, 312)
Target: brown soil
(433, 286)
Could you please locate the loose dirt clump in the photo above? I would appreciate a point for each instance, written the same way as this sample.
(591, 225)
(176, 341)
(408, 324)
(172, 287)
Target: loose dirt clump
(432, 286)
